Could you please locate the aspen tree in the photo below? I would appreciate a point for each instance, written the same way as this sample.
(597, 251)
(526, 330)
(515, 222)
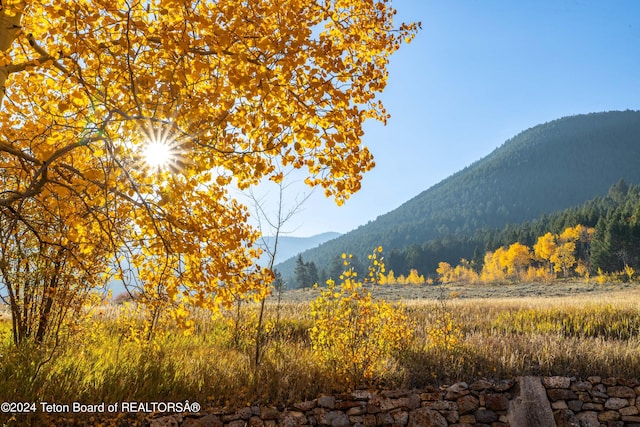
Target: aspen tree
(230, 92)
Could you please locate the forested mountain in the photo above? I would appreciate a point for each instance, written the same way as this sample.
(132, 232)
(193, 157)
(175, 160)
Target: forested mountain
(615, 218)
(550, 167)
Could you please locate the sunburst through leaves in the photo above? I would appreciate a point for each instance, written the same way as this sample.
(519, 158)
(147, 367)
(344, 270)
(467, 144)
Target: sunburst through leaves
(163, 150)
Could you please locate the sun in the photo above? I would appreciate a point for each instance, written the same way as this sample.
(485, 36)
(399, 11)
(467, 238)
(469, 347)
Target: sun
(157, 154)
(162, 150)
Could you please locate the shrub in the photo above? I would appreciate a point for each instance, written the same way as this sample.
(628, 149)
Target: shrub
(354, 334)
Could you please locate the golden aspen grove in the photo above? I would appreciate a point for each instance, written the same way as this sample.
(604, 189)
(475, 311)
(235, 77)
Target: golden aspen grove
(552, 253)
(233, 91)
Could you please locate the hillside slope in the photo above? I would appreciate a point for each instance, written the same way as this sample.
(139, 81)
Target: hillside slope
(289, 246)
(549, 167)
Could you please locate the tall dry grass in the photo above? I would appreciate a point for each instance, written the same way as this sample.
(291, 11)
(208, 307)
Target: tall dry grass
(579, 335)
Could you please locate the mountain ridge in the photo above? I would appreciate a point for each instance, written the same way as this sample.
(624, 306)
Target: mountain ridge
(290, 246)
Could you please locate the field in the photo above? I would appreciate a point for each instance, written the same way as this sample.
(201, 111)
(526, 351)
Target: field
(459, 333)
(464, 291)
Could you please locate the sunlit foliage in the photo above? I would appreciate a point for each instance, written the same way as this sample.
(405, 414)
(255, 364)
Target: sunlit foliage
(550, 255)
(234, 91)
(353, 333)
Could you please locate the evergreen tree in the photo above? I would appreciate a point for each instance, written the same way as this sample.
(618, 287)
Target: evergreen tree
(336, 268)
(312, 273)
(301, 273)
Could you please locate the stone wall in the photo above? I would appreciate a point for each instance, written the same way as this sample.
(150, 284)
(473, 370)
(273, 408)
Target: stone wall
(595, 402)
(612, 402)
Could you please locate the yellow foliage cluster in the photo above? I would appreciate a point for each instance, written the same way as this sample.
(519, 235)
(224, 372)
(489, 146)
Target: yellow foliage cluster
(463, 272)
(517, 262)
(506, 263)
(626, 275)
(353, 333)
(444, 333)
(414, 278)
(559, 251)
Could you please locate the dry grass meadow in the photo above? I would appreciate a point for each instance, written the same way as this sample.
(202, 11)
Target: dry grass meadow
(459, 333)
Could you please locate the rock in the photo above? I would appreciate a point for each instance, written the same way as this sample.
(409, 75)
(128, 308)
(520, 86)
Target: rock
(621, 391)
(629, 382)
(467, 404)
(616, 403)
(504, 385)
(244, 413)
(556, 382)
(496, 402)
(328, 402)
(400, 417)
(257, 422)
(433, 395)
(457, 390)
(560, 404)
(629, 410)
(588, 419)
(442, 405)
(356, 410)
(480, 385)
(206, 421)
(592, 407)
(485, 416)
(594, 380)
(531, 408)
(425, 417)
(561, 394)
(333, 419)
(305, 406)
(384, 419)
(575, 405)
(361, 394)
(369, 420)
(566, 418)
(605, 416)
(168, 421)
(467, 419)
(269, 413)
(582, 386)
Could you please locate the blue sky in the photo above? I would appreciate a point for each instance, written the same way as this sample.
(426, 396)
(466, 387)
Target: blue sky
(477, 74)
